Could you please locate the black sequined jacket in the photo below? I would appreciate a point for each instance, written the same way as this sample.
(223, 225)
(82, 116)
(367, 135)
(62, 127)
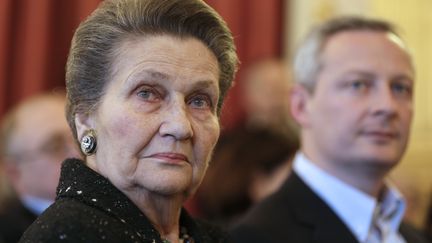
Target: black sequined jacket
(88, 208)
(15, 218)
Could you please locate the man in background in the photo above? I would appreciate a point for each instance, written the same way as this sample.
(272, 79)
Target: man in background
(34, 140)
(265, 90)
(354, 103)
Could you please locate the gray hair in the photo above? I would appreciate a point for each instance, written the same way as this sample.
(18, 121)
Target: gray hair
(10, 121)
(90, 60)
(308, 61)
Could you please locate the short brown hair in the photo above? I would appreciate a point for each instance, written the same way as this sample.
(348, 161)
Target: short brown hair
(307, 61)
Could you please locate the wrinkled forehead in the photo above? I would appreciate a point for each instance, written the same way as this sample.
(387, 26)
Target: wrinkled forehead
(151, 47)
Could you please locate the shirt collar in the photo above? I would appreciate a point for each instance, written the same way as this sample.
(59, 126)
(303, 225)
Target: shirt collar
(392, 206)
(357, 214)
(35, 204)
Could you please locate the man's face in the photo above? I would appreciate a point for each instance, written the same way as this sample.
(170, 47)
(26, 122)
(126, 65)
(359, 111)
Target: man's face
(360, 111)
(265, 93)
(41, 141)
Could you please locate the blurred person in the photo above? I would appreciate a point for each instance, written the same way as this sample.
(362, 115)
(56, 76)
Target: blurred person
(35, 137)
(247, 166)
(5, 188)
(145, 82)
(266, 86)
(265, 96)
(428, 221)
(354, 103)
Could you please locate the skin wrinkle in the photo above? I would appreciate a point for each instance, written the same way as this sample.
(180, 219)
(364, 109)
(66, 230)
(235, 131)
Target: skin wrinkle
(131, 129)
(161, 82)
(131, 43)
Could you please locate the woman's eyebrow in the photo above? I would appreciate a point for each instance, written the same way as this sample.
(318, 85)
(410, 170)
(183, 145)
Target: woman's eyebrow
(146, 75)
(160, 76)
(202, 84)
(152, 74)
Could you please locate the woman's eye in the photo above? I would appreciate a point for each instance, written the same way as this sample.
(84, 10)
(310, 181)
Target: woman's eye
(148, 94)
(200, 102)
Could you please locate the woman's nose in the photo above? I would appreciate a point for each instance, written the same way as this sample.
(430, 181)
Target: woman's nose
(176, 122)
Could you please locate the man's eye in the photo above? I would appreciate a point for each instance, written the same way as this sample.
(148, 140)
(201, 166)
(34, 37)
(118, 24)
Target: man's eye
(401, 88)
(359, 84)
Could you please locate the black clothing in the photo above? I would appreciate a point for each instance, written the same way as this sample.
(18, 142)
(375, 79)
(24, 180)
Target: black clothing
(14, 220)
(296, 214)
(88, 208)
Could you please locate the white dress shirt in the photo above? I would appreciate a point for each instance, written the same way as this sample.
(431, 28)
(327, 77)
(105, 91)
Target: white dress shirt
(359, 212)
(35, 205)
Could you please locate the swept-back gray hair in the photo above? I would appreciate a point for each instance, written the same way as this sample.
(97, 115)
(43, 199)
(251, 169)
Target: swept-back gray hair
(93, 45)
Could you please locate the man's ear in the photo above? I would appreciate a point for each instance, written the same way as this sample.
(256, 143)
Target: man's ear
(12, 170)
(83, 123)
(300, 98)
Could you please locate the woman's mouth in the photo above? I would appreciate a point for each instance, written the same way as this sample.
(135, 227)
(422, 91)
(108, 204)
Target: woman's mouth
(171, 158)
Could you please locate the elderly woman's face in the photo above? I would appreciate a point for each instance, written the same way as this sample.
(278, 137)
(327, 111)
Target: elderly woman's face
(156, 124)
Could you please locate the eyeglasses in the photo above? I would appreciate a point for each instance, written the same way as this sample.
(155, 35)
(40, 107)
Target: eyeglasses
(58, 145)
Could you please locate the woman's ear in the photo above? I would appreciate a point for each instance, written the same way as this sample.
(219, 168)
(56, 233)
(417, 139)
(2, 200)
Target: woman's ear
(83, 123)
(300, 98)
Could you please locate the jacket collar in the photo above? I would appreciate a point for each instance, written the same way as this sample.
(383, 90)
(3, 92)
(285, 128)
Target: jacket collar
(313, 213)
(81, 183)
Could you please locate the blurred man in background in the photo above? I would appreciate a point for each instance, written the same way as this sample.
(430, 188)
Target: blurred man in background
(354, 103)
(265, 96)
(34, 140)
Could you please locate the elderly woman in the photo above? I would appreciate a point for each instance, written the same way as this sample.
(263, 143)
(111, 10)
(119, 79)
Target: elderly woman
(146, 80)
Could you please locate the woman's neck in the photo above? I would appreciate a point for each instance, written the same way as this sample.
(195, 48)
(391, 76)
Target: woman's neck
(162, 211)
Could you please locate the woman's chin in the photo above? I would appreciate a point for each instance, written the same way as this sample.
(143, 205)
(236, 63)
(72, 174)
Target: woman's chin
(171, 186)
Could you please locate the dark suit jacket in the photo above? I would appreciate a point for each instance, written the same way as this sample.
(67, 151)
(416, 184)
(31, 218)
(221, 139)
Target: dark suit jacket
(14, 220)
(89, 208)
(296, 214)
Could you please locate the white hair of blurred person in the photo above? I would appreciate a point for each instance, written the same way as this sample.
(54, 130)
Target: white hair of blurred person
(35, 138)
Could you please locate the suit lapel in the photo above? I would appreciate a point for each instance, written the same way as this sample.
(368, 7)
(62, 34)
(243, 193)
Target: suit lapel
(313, 212)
